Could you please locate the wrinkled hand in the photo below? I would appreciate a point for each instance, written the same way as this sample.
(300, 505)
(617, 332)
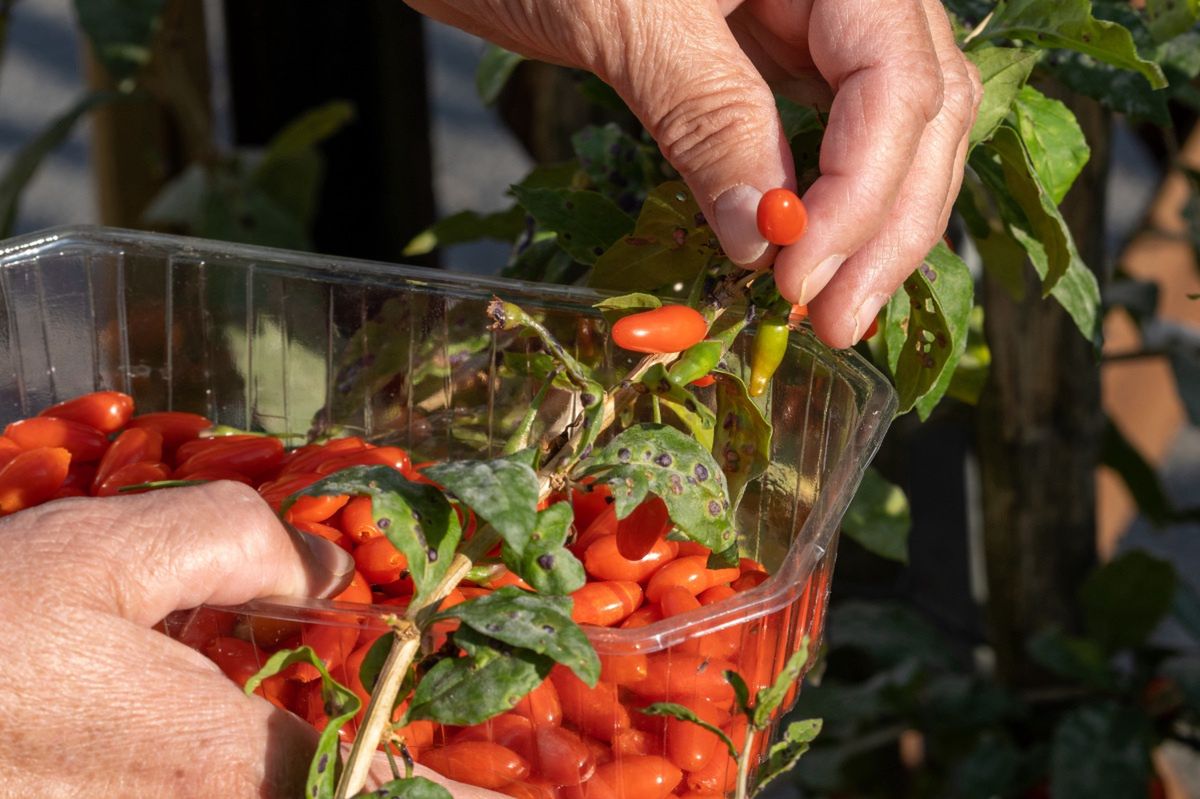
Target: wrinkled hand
(94, 702)
(901, 98)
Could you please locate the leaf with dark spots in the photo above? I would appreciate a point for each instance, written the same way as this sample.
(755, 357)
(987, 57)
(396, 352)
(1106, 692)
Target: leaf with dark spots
(423, 524)
(699, 509)
(742, 440)
(545, 563)
(341, 705)
(490, 680)
(652, 257)
(503, 492)
(583, 220)
(522, 618)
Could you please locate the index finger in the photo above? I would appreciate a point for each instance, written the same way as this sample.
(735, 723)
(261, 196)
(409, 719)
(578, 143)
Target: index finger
(880, 61)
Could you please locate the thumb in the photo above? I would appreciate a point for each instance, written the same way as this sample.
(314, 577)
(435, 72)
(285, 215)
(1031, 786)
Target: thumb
(143, 556)
(684, 75)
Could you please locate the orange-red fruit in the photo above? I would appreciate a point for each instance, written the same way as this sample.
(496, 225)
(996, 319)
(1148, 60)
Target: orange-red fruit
(782, 217)
(32, 478)
(634, 777)
(107, 411)
(481, 763)
(671, 328)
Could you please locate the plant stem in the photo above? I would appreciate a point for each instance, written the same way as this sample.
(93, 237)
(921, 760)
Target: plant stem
(743, 775)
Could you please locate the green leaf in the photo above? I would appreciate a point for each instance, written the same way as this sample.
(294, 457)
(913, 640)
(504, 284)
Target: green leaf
(742, 440)
(614, 308)
(741, 692)
(587, 223)
(1003, 71)
(671, 243)
(879, 517)
(619, 166)
(1069, 24)
(1101, 751)
(1125, 599)
(1077, 659)
(544, 562)
(420, 521)
(467, 226)
(1056, 145)
(768, 699)
(309, 129)
(24, 162)
(504, 493)
(495, 68)
(1118, 454)
(372, 664)
(785, 753)
(121, 32)
(940, 296)
(407, 788)
(797, 119)
(536, 622)
(1030, 217)
(341, 705)
(676, 711)
(489, 681)
(697, 418)
(669, 463)
(1170, 18)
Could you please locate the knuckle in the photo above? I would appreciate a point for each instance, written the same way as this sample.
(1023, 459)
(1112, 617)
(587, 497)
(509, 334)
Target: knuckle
(714, 118)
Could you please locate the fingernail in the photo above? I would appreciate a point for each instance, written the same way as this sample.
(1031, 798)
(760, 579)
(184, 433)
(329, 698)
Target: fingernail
(330, 568)
(866, 313)
(736, 222)
(818, 278)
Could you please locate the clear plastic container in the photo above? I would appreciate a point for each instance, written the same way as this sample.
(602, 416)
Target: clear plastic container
(301, 344)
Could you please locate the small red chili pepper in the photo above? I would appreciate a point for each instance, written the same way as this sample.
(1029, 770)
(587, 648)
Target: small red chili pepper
(253, 456)
(107, 411)
(671, 328)
(175, 427)
(84, 442)
(135, 445)
(781, 217)
(32, 477)
(130, 475)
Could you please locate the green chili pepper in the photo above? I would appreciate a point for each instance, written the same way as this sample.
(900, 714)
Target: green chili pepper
(696, 361)
(770, 344)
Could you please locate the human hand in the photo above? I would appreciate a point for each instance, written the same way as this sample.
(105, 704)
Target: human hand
(901, 98)
(94, 701)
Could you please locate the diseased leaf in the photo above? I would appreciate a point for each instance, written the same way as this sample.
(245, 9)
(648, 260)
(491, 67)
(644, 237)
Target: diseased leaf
(940, 295)
(341, 705)
(488, 681)
(1170, 18)
(502, 492)
(742, 439)
(1125, 599)
(785, 753)
(1031, 218)
(587, 223)
(672, 465)
(1055, 143)
(1069, 24)
(670, 244)
(1101, 751)
(416, 517)
(879, 517)
(676, 711)
(544, 562)
(495, 68)
(537, 622)
(619, 166)
(407, 788)
(1003, 71)
(467, 226)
